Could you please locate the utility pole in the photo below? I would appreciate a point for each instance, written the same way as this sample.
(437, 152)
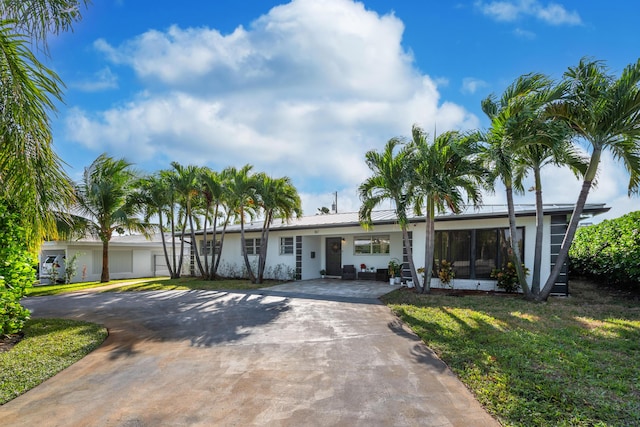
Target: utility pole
(334, 206)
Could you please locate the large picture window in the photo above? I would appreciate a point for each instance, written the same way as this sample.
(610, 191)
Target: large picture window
(371, 245)
(474, 253)
(252, 246)
(286, 246)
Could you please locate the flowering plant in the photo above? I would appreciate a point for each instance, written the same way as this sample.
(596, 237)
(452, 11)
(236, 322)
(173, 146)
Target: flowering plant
(507, 277)
(363, 266)
(446, 272)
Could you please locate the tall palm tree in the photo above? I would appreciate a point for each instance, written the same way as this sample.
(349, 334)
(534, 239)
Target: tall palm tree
(552, 148)
(155, 197)
(105, 202)
(31, 172)
(507, 134)
(391, 180)
(187, 186)
(242, 203)
(214, 191)
(604, 112)
(444, 173)
(278, 198)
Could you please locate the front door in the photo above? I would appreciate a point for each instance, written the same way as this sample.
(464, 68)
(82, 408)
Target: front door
(333, 256)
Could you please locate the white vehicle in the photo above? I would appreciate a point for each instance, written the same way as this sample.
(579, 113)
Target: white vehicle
(53, 268)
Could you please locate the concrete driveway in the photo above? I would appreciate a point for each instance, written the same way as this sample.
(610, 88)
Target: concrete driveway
(315, 353)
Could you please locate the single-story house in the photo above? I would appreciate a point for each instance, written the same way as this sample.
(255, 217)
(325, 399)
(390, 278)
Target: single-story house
(473, 241)
(130, 256)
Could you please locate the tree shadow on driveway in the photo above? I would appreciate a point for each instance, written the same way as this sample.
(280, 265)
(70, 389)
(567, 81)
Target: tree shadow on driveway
(204, 318)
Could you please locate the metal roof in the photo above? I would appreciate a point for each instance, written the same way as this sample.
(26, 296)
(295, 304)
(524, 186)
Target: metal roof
(350, 219)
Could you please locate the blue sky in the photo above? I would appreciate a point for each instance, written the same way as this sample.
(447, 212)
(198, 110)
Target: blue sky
(305, 88)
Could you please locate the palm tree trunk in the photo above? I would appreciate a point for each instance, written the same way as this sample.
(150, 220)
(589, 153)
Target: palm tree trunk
(429, 244)
(243, 243)
(194, 246)
(212, 270)
(164, 244)
(573, 224)
(514, 248)
(104, 277)
(181, 258)
(205, 275)
(537, 257)
(176, 270)
(224, 230)
(409, 249)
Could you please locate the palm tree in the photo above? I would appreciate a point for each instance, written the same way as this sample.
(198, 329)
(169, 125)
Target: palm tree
(604, 112)
(507, 134)
(155, 197)
(187, 186)
(214, 191)
(278, 198)
(242, 202)
(31, 173)
(105, 202)
(552, 148)
(443, 173)
(391, 180)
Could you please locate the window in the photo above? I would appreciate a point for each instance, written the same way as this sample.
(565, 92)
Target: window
(252, 246)
(207, 251)
(474, 253)
(286, 246)
(367, 245)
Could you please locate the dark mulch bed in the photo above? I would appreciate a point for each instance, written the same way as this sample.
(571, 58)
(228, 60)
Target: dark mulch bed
(8, 341)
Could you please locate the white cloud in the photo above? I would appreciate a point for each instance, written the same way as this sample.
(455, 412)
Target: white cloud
(304, 91)
(102, 80)
(524, 34)
(510, 11)
(471, 85)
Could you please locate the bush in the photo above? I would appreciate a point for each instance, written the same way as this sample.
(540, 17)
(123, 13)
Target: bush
(507, 277)
(16, 271)
(609, 252)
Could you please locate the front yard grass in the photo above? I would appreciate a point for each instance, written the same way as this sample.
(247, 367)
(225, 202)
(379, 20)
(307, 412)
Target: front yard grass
(48, 346)
(187, 283)
(151, 284)
(568, 362)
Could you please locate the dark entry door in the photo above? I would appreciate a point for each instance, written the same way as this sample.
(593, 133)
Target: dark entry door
(333, 255)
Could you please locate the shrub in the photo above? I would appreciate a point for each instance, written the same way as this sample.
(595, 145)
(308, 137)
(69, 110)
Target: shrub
(16, 270)
(609, 252)
(507, 277)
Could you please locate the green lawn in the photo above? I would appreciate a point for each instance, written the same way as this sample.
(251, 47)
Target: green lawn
(48, 346)
(187, 283)
(568, 362)
(150, 284)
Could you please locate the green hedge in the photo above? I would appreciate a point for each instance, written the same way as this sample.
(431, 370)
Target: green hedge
(609, 252)
(16, 270)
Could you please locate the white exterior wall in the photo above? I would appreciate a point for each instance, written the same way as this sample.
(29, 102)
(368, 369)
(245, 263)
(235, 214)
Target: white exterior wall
(125, 261)
(314, 240)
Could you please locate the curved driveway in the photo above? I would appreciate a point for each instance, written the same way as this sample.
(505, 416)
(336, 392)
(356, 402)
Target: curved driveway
(316, 353)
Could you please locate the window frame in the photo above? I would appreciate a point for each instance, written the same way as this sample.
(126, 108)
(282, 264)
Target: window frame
(472, 249)
(383, 240)
(287, 248)
(252, 243)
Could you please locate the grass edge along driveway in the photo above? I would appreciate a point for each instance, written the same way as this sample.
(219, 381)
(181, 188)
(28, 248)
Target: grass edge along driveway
(48, 347)
(568, 362)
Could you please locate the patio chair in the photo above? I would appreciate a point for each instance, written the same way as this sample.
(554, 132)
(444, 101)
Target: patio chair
(348, 272)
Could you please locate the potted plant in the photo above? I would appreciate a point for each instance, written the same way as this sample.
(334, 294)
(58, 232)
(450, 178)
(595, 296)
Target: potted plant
(323, 272)
(394, 270)
(363, 267)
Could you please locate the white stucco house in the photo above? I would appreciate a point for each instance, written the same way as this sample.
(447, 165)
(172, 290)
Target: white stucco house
(130, 256)
(473, 241)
